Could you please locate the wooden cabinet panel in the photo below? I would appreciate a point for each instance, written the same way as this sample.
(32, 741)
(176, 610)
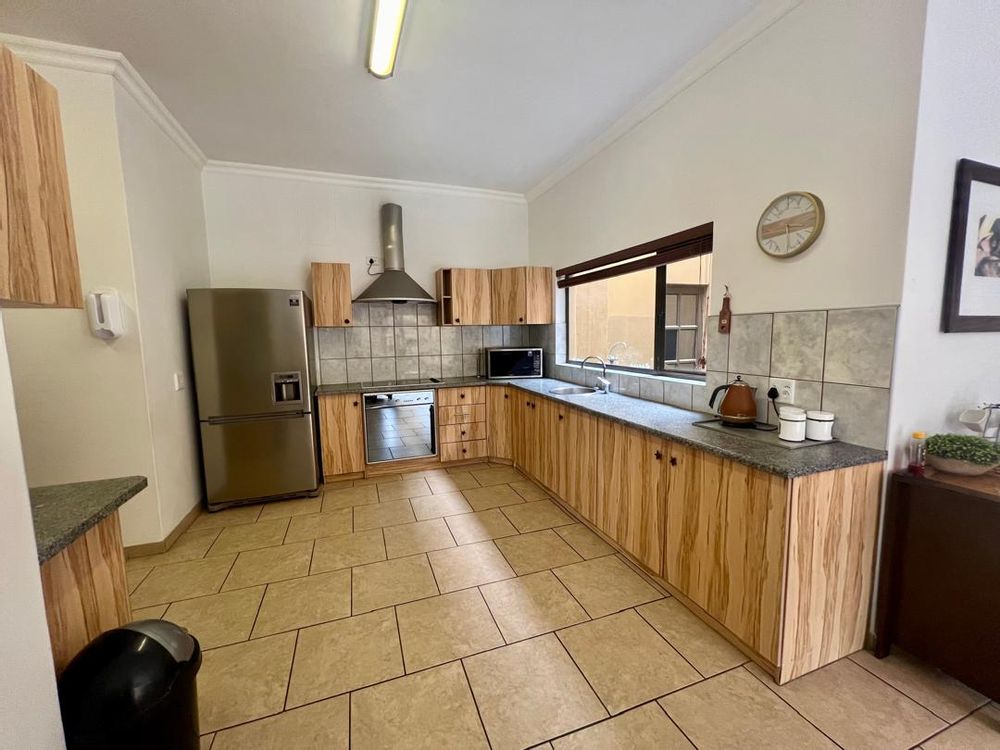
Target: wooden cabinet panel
(461, 414)
(539, 293)
(575, 439)
(500, 418)
(631, 478)
(38, 261)
(461, 396)
(459, 433)
(342, 433)
(528, 441)
(470, 297)
(331, 293)
(462, 451)
(508, 288)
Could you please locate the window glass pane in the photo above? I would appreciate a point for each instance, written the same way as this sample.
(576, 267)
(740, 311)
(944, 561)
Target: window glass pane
(614, 319)
(670, 344)
(685, 343)
(687, 313)
(671, 310)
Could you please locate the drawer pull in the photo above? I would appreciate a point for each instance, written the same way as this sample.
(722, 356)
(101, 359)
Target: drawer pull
(464, 450)
(458, 320)
(347, 321)
(520, 320)
(463, 432)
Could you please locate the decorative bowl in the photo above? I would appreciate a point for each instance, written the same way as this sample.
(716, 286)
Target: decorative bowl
(957, 466)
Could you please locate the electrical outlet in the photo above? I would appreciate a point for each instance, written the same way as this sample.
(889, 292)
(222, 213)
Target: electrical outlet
(178, 381)
(786, 390)
(374, 264)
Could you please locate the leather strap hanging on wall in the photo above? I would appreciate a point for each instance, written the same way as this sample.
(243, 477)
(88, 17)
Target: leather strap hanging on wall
(689, 243)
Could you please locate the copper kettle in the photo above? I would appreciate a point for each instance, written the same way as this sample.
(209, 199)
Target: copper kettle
(738, 407)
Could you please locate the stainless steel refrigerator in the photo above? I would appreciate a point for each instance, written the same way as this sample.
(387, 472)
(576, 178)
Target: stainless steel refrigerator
(252, 353)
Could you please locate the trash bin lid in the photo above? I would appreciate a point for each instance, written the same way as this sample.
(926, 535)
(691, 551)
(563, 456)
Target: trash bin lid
(177, 641)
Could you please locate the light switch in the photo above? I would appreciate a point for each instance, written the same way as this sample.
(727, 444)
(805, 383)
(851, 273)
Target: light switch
(179, 384)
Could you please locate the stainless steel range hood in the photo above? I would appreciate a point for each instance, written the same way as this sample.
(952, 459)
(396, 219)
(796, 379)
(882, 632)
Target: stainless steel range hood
(394, 284)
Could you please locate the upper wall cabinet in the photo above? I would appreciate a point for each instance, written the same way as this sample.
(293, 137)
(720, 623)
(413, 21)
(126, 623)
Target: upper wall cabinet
(521, 295)
(464, 296)
(331, 288)
(38, 263)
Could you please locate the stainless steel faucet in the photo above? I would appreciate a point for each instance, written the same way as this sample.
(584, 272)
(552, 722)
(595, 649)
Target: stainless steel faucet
(603, 384)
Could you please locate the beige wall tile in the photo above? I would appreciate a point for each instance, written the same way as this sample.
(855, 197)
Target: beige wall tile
(347, 550)
(478, 527)
(707, 651)
(185, 580)
(304, 601)
(542, 514)
(316, 525)
(383, 514)
(443, 628)
(540, 550)
(469, 565)
(320, 726)
(643, 727)
(605, 585)
(531, 605)
(413, 538)
(383, 584)
(270, 564)
(250, 536)
(438, 506)
(219, 619)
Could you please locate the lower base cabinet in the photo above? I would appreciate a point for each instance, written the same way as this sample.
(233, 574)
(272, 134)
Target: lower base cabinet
(342, 433)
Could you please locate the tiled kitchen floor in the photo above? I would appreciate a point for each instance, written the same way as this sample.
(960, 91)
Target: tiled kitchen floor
(463, 609)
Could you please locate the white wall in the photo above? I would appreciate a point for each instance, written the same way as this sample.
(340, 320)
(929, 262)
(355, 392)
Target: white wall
(939, 374)
(29, 708)
(266, 226)
(824, 100)
(167, 230)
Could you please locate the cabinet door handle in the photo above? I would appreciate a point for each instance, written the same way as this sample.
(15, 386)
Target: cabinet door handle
(560, 416)
(659, 455)
(464, 451)
(461, 395)
(458, 320)
(506, 395)
(463, 432)
(673, 460)
(520, 320)
(347, 321)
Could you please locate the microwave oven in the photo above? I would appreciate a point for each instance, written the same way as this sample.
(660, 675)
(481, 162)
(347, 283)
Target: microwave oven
(514, 362)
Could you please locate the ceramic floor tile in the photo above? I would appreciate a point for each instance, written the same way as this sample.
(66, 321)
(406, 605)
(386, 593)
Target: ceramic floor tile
(540, 550)
(319, 726)
(444, 628)
(494, 496)
(469, 565)
(424, 711)
(529, 490)
(605, 585)
(219, 619)
(707, 651)
(286, 508)
(229, 517)
(191, 545)
(317, 525)
(384, 584)
(378, 516)
(529, 692)
(186, 580)
(402, 490)
(149, 613)
(531, 605)
(586, 543)
(383, 479)
(498, 475)
(534, 516)
(981, 730)
(855, 708)
(438, 506)
(734, 710)
(348, 550)
(626, 661)
(931, 688)
(269, 564)
(205, 741)
(250, 536)
(304, 601)
(134, 577)
(243, 682)
(344, 655)
(462, 480)
(349, 497)
(413, 538)
(643, 727)
(478, 527)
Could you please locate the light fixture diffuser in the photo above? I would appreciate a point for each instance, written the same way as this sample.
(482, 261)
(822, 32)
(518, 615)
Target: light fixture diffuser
(387, 25)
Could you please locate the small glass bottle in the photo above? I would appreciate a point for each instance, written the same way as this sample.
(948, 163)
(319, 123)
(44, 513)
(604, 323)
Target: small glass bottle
(917, 453)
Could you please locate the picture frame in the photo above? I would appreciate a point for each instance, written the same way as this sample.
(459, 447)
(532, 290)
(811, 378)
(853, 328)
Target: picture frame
(972, 277)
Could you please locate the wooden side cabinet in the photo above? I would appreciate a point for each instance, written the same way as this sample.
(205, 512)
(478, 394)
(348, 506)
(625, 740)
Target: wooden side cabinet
(342, 433)
(521, 295)
(331, 292)
(38, 262)
(499, 415)
(464, 296)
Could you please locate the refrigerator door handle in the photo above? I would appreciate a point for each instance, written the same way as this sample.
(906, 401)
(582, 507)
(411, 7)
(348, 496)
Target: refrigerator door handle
(257, 417)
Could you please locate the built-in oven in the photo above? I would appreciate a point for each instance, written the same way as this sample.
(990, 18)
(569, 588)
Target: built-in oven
(514, 362)
(399, 424)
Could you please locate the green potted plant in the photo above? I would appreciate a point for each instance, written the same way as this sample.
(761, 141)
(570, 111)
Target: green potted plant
(962, 454)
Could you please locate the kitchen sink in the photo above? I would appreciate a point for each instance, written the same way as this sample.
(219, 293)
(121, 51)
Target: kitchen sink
(571, 390)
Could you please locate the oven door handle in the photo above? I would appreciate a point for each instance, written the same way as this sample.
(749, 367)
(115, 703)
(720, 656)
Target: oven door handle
(433, 430)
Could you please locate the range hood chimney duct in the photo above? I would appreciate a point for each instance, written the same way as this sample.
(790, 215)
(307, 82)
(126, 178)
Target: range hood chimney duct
(394, 284)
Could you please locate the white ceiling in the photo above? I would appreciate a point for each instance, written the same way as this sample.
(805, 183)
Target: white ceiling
(487, 93)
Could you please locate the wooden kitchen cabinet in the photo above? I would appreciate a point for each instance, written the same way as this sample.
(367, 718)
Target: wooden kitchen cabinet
(464, 296)
(631, 477)
(342, 433)
(461, 396)
(528, 433)
(575, 438)
(40, 266)
(331, 292)
(500, 417)
(521, 295)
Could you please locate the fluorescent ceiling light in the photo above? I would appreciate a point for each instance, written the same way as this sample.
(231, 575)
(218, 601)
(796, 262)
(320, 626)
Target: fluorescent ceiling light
(387, 24)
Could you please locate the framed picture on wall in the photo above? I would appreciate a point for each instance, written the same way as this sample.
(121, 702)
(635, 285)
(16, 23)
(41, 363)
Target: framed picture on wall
(972, 280)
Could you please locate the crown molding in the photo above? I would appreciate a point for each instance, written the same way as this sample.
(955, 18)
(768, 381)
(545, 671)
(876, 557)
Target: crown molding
(114, 64)
(359, 181)
(724, 46)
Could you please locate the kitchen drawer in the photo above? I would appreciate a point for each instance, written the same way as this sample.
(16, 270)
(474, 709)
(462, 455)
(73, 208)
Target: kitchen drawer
(459, 433)
(461, 414)
(461, 396)
(460, 451)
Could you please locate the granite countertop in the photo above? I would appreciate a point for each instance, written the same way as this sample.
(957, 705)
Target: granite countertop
(672, 423)
(64, 512)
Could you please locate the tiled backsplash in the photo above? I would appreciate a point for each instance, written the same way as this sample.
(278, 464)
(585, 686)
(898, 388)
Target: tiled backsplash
(840, 360)
(388, 342)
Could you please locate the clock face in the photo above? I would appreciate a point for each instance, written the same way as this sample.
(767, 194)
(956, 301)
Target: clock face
(790, 224)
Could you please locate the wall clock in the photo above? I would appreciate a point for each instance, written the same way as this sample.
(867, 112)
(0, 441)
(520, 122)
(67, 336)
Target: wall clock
(790, 224)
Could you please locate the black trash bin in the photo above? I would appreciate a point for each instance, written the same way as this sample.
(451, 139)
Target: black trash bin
(133, 687)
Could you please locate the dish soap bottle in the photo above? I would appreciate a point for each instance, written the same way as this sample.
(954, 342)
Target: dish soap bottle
(917, 453)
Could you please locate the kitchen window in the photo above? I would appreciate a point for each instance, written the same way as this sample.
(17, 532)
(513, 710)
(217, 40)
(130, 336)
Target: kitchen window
(643, 309)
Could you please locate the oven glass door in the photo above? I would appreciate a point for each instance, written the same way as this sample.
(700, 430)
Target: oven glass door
(399, 425)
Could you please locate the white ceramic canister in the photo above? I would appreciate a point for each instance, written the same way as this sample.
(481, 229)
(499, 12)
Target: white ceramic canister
(819, 425)
(793, 424)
